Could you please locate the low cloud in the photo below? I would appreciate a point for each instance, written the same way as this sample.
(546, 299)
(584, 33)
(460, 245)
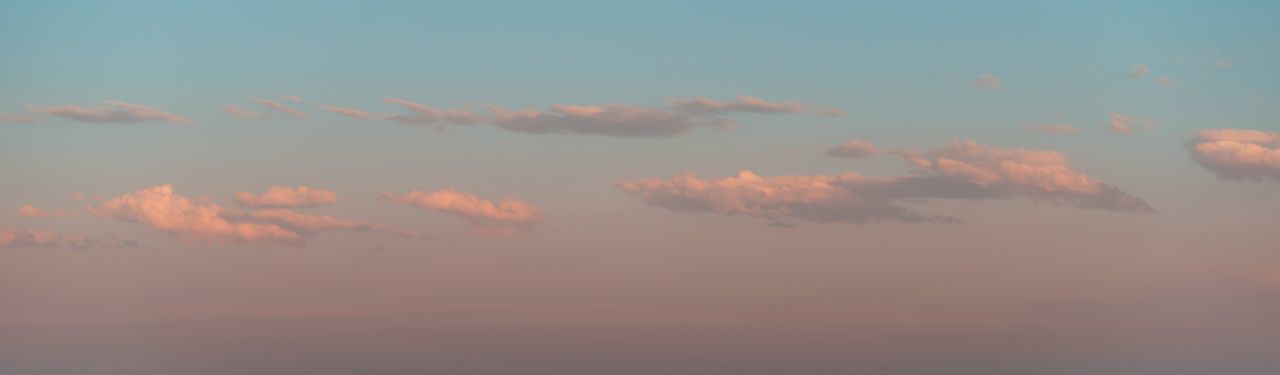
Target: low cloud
(989, 82)
(32, 211)
(738, 104)
(618, 120)
(5, 117)
(1238, 154)
(964, 170)
(114, 111)
(14, 238)
(507, 217)
(284, 196)
(422, 114)
(853, 149)
(1125, 124)
(279, 107)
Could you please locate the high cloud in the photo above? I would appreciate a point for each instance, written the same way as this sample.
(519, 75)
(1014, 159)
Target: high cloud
(13, 238)
(1055, 129)
(422, 114)
(989, 82)
(1125, 124)
(283, 196)
(853, 149)
(1238, 154)
(739, 104)
(33, 211)
(964, 170)
(279, 107)
(5, 117)
(160, 208)
(509, 216)
(114, 112)
(240, 112)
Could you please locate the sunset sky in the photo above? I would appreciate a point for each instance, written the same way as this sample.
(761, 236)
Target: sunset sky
(657, 187)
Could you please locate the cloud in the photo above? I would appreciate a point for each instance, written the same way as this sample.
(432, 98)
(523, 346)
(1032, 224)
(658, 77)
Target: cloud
(1037, 174)
(620, 120)
(355, 113)
(1238, 154)
(310, 224)
(1125, 124)
(965, 170)
(739, 104)
(283, 196)
(1055, 129)
(1165, 81)
(114, 112)
(5, 117)
(507, 217)
(853, 149)
(32, 211)
(422, 114)
(1139, 70)
(279, 107)
(13, 238)
(292, 98)
(159, 208)
(240, 112)
(989, 82)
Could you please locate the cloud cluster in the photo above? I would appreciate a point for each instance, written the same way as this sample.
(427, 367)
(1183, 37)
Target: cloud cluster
(284, 196)
(33, 211)
(1238, 154)
(507, 217)
(162, 209)
(964, 170)
(853, 149)
(114, 111)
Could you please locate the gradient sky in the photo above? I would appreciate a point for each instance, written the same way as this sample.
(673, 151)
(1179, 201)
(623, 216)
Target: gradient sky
(992, 187)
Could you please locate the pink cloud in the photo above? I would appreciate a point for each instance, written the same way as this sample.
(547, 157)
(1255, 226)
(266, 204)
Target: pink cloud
(292, 98)
(853, 149)
(509, 216)
(989, 82)
(620, 120)
(1139, 70)
(114, 112)
(355, 113)
(33, 211)
(1165, 81)
(159, 208)
(279, 107)
(240, 112)
(423, 114)
(310, 224)
(739, 104)
(1125, 124)
(5, 117)
(1238, 154)
(1055, 129)
(283, 196)
(13, 238)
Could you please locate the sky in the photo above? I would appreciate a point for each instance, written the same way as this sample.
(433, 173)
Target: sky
(401, 187)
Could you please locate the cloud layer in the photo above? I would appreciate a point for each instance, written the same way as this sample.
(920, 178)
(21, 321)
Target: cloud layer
(509, 216)
(1238, 154)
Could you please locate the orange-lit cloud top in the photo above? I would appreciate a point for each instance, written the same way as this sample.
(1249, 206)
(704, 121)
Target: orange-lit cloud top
(509, 216)
(1238, 154)
(964, 170)
(284, 196)
(853, 149)
(33, 211)
(114, 112)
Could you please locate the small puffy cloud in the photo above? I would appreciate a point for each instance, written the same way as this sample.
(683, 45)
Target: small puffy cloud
(1238, 154)
(114, 112)
(1138, 71)
(422, 114)
(619, 120)
(1037, 174)
(279, 107)
(507, 217)
(283, 196)
(5, 117)
(1125, 124)
(1165, 81)
(1055, 128)
(355, 113)
(160, 208)
(989, 82)
(32, 211)
(853, 149)
(739, 104)
(12, 238)
(240, 112)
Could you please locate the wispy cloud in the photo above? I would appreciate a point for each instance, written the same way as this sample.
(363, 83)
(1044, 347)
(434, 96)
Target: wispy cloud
(620, 120)
(1165, 81)
(279, 107)
(5, 117)
(284, 196)
(422, 114)
(1138, 71)
(989, 82)
(507, 217)
(240, 112)
(1125, 124)
(739, 104)
(292, 98)
(853, 149)
(28, 210)
(1055, 128)
(13, 238)
(114, 111)
(355, 113)
(1238, 154)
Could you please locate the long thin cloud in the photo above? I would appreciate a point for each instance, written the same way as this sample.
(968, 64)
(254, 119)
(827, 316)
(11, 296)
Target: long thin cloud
(114, 111)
